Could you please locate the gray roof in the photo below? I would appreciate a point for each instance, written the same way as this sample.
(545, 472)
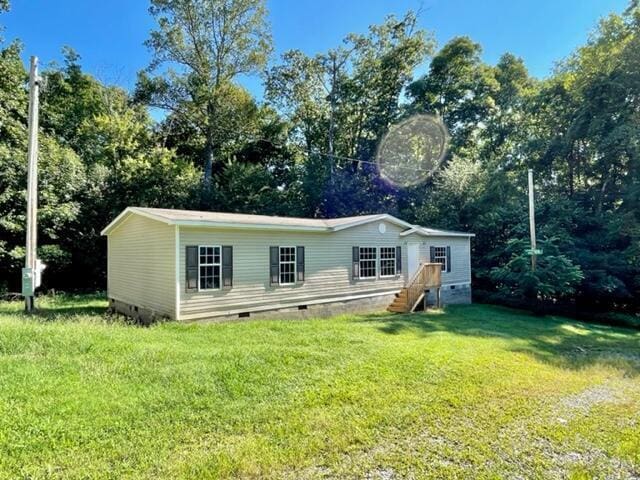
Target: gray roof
(241, 220)
(419, 229)
(246, 219)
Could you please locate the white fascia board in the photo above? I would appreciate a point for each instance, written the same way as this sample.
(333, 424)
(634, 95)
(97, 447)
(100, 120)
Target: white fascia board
(125, 214)
(439, 234)
(383, 217)
(409, 232)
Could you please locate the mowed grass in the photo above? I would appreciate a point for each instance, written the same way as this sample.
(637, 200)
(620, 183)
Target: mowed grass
(471, 391)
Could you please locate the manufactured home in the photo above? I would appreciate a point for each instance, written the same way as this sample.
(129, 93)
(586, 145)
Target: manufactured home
(191, 265)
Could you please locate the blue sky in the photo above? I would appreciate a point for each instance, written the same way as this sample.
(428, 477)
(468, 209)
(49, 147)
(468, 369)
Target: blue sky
(109, 34)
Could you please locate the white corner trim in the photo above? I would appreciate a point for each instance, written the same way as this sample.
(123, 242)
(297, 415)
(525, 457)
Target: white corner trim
(177, 271)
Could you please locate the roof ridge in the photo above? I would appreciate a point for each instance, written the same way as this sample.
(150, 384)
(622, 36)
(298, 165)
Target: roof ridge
(324, 219)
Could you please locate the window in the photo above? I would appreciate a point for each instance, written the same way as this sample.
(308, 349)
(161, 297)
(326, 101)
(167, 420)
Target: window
(440, 256)
(368, 261)
(287, 265)
(387, 261)
(208, 268)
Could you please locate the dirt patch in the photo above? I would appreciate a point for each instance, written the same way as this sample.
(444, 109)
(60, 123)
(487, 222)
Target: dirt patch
(381, 474)
(609, 467)
(581, 403)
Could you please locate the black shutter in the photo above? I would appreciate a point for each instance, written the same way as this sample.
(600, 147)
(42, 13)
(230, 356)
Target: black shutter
(191, 262)
(448, 259)
(432, 254)
(355, 262)
(300, 263)
(227, 266)
(274, 265)
(398, 260)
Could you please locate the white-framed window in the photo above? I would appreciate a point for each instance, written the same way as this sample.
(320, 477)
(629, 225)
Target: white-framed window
(209, 265)
(440, 256)
(387, 261)
(287, 265)
(368, 262)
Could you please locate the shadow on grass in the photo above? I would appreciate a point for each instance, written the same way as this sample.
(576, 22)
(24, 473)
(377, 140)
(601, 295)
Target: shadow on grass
(60, 307)
(559, 341)
(53, 313)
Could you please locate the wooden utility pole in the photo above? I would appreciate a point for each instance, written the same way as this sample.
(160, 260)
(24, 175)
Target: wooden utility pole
(532, 222)
(29, 272)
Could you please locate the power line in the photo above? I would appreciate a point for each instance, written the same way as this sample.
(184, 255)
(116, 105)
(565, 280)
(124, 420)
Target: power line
(342, 157)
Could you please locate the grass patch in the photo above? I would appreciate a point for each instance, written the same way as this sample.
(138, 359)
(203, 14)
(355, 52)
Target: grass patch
(472, 391)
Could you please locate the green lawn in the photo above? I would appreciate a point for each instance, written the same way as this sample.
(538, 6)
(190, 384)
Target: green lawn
(474, 391)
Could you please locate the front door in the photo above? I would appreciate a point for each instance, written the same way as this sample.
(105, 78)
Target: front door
(413, 259)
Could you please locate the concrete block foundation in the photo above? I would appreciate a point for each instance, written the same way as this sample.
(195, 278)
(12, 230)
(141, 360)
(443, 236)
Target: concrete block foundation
(376, 304)
(451, 295)
(141, 315)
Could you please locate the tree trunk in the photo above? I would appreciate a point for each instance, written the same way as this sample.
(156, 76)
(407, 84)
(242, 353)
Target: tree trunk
(603, 191)
(332, 109)
(571, 174)
(209, 149)
(208, 162)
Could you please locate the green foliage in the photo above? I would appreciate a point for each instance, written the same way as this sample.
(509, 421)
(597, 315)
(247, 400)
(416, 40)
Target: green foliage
(459, 88)
(341, 102)
(554, 277)
(61, 179)
(97, 156)
(205, 45)
(579, 130)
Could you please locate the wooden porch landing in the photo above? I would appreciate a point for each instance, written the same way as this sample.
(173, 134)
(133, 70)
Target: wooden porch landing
(428, 276)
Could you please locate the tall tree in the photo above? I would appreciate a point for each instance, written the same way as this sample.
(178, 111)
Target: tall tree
(341, 102)
(459, 88)
(205, 45)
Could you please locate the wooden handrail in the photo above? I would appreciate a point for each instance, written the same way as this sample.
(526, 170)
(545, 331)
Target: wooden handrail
(428, 275)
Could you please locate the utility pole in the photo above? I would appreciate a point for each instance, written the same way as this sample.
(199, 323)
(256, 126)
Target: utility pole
(30, 272)
(532, 222)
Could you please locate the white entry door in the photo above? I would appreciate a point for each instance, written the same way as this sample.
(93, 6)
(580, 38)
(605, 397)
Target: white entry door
(413, 259)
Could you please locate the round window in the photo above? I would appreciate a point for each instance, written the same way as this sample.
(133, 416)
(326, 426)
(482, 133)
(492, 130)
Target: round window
(382, 228)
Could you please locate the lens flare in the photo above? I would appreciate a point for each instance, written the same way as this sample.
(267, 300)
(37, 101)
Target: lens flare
(412, 150)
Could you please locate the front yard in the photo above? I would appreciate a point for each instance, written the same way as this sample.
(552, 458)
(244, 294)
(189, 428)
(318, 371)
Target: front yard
(474, 391)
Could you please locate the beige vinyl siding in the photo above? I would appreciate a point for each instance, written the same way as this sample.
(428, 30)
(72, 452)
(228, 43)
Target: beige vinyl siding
(460, 255)
(140, 263)
(460, 258)
(328, 258)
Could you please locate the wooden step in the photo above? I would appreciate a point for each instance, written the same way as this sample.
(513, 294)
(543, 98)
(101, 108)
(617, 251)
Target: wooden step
(397, 309)
(399, 304)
